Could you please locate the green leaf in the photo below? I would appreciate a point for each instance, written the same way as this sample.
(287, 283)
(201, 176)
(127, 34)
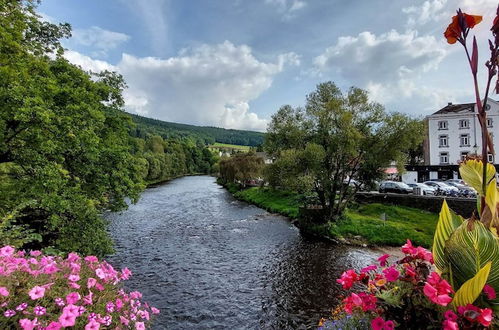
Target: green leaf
(470, 247)
(448, 221)
(472, 171)
(472, 288)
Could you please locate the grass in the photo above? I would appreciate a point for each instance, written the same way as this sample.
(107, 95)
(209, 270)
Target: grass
(401, 223)
(230, 146)
(275, 201)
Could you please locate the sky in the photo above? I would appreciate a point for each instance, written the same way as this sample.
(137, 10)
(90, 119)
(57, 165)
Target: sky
(233, 63)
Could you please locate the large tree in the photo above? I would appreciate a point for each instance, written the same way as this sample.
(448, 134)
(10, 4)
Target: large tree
(338, 137)
(65, 150)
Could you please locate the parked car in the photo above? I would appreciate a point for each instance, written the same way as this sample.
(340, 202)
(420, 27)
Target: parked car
(394, 187)
(427, 190)
(442, 188)
(464, 191)
(456, 181)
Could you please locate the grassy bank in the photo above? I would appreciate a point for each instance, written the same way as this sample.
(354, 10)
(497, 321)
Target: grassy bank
(360, 220)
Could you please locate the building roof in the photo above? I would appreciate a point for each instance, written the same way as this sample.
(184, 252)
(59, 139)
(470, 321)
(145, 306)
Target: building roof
(456, 108)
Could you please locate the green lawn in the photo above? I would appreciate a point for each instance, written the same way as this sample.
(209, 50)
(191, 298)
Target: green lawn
(230, 146)
(401, 223)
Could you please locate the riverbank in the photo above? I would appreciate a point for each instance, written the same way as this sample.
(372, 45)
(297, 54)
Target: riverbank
(362, 223)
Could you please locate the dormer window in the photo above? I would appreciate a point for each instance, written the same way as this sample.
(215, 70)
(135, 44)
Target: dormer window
(442, 125)
(464, 123)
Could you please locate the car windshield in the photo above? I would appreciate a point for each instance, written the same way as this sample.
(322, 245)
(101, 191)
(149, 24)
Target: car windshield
(403, 185)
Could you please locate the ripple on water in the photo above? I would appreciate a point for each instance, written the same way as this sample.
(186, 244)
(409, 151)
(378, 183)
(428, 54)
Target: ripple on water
(209, 261)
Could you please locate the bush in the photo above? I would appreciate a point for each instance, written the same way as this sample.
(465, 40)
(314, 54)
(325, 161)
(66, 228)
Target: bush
(41, 291)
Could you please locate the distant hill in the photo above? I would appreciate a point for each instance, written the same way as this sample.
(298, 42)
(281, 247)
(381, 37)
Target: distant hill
(203, 134)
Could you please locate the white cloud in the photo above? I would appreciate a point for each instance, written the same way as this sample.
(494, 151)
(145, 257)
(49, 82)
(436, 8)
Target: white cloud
(88, 63)
(287, 8)
(99, 39)
(207, 85)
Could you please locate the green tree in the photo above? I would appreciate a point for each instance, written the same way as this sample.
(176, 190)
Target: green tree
(65, 147)
(338, 137)
(241, 167)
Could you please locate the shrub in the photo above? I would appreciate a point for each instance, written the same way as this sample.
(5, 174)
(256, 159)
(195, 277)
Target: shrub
(45, 292)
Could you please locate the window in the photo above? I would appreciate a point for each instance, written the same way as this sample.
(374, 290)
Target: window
(464, 123)
(443, 141)
(444, 158)
(491, 158)
(464, 140)
(464, 154)
(489, 122)
(442, 124)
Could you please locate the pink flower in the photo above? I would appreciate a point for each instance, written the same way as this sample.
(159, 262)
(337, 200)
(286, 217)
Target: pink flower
(37, 292)
(391, 274)
(450, 325)
(119, 303)
(110, 307)
(21, 307)
(389, 325)
(74, 277)
(382, 259)
(72, 257)
(407, 248)
(73, 297)
(126, 273)
(139, 326)
(368, 268)
(135, 295)
(92, 325)
(378, 323)
(91, 282)
(59, 302)
(450, 315)
(347, 279)
(71, 310)
(3, 291)
(9, 313)
(35, 253)
(100, 273)
(154, 310)
(91, 259)
(488, 290)
(434, 296)
(67, 319)
(28, 324)
(54, 326)
(7, 251)
(39, 310)
(485, 317)
(124, 320)
(363, 300)
(87, 300)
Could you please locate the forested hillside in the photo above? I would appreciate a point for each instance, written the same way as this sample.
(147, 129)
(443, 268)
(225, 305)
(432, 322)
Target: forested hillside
(204, 134)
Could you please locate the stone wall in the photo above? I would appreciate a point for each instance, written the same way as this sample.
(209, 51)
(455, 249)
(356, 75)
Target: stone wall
(462, 206)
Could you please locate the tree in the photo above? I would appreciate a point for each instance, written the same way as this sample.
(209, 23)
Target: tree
(336, 138)
(65, 149)
(241, 167)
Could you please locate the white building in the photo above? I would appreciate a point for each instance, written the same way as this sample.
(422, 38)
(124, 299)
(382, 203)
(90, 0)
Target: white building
(454, 132)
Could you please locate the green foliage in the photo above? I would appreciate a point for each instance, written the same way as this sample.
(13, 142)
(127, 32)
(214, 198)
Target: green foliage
(337, 137)
(240, 167)
(200, 134)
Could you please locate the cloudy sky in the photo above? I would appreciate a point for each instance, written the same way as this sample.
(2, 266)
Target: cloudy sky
(233, 63)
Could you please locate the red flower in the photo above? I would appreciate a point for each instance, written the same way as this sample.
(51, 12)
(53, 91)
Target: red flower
(458, 26)
(391, 274)
(380, 324)
(437, 290)
(382, 259)
(489, 291)
(475, 314)
(449, 325)
(347, 279)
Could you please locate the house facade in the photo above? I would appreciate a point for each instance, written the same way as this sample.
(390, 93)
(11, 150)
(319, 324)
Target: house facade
(454, 132)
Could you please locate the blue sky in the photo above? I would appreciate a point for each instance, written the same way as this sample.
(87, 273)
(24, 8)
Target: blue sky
(233, 63)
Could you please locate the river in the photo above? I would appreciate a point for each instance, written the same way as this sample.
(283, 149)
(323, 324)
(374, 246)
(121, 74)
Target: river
(209, 261)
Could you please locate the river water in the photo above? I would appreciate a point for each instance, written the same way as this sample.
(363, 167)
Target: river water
(209, 261)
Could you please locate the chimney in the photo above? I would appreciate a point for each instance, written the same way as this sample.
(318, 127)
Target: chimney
(450, 103)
